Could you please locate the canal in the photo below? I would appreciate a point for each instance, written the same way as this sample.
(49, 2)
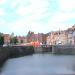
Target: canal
(40, 64)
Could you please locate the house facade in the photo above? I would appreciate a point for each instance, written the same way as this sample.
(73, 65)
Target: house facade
(6, 38)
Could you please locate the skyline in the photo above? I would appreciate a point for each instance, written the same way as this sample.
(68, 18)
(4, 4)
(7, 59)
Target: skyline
(39, 16)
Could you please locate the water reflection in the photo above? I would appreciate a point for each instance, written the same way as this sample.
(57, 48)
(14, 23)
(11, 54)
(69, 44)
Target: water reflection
(40, 64)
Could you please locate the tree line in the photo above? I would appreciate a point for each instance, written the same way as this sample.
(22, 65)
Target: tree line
(13, 40)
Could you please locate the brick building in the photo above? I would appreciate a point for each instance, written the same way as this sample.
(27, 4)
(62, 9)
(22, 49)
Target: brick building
(6, 38)
(40, 37)
(21, 39)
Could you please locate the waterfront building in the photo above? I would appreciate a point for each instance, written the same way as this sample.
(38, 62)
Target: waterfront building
(32, 37)
(51, 38)
(21, 39)
(57, 37)
(70, 38)
(63, 37)
(48, 39)
(71, 35)
(29, 36)
(42, 38)
(6, 38)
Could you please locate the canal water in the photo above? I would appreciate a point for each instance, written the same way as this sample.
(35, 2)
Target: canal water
(40, 64)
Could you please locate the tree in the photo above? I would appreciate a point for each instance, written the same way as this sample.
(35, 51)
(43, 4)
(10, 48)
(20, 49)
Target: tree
(1, 39)
(13, 40)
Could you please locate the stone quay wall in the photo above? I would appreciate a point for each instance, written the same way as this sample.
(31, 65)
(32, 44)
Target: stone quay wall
(63, 49)
(56, 49)
(14, 51)
(43, 49)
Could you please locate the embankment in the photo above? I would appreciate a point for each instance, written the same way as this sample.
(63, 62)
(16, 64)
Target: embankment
(13, 52)
(63, 49)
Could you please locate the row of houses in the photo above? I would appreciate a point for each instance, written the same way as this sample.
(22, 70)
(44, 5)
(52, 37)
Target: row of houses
(31, 37)
(20, 39)
(40, 37)
(65, 37)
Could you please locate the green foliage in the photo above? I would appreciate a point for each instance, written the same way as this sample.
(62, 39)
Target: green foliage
(1, 39)
(13, 40)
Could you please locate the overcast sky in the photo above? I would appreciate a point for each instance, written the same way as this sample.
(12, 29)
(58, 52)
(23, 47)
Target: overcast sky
(20, 16)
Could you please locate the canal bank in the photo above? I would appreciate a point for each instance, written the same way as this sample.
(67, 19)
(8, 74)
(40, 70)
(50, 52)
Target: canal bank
(14, 52)
(56, 49)
(63, 49)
